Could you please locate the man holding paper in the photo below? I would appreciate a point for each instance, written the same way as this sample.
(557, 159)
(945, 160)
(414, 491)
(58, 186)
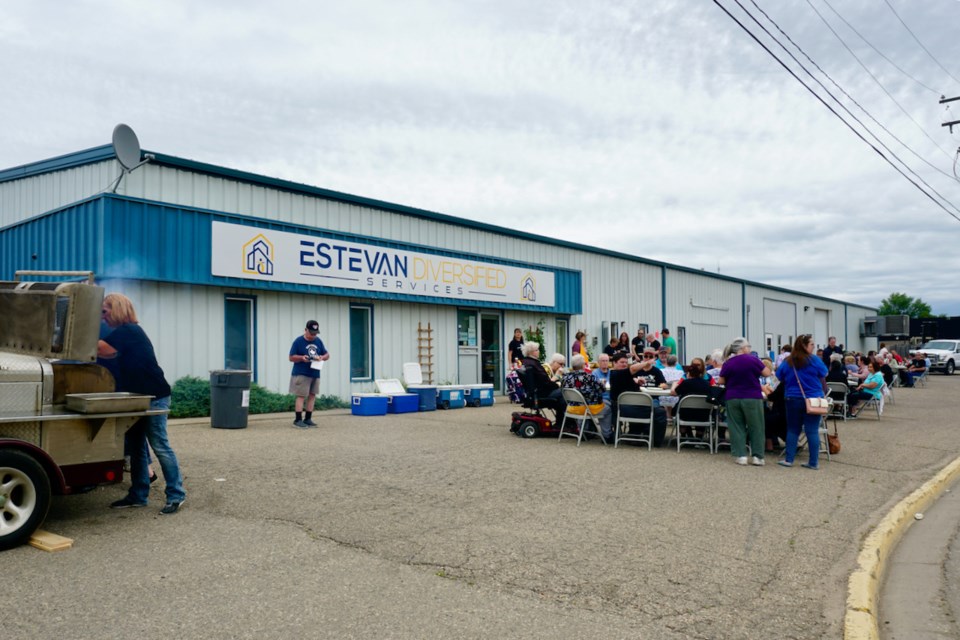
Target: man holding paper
(307, 355)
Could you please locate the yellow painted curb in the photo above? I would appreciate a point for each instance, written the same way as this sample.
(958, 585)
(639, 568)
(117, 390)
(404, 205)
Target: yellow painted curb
(860, 620)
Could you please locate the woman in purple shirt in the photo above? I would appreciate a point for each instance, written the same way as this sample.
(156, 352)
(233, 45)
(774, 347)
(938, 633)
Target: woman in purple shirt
(741, 374)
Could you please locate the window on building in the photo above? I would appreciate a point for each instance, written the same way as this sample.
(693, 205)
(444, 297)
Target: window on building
(238, 335)
(563, 339)
(361, 342)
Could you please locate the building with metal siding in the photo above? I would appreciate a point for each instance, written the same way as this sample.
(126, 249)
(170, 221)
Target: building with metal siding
(153, 240)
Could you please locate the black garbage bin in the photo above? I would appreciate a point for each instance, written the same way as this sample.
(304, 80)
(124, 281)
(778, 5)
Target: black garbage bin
(229, 398)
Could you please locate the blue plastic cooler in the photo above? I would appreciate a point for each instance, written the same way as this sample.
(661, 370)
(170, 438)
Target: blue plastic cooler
(450, 396)
(478, 395)
(427, 393)
(368, 404)
(398, 400)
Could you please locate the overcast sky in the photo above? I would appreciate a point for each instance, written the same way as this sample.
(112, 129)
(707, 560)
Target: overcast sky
(658, 128)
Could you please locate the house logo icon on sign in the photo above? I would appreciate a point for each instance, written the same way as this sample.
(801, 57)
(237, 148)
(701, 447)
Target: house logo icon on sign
(258, 256)
(528, 288)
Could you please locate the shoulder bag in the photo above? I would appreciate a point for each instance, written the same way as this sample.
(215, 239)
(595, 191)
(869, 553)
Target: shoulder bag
(815, 406)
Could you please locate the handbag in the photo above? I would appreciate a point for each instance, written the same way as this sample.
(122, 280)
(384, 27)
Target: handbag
(818, 406)
(716, 396)
(815, 406)
(833, 440)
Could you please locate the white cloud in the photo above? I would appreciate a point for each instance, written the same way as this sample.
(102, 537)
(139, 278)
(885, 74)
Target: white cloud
(655, 128)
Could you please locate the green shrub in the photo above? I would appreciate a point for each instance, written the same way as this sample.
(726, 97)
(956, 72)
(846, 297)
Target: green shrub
(190, 398)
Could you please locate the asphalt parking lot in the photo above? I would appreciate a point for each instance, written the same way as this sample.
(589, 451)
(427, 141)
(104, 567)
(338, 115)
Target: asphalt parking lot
(444, 524)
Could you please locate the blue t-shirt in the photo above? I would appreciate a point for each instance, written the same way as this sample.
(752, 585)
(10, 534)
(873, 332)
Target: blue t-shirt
(874, 377)
(811, 376)
(605, 379)
(303, 347)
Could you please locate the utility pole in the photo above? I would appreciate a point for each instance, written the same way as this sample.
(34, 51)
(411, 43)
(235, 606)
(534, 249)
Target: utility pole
(950, 123)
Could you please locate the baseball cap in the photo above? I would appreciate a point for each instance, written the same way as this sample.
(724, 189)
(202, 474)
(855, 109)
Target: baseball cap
(313, 327)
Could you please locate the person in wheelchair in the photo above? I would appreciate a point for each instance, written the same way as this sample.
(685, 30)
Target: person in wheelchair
(544, 391)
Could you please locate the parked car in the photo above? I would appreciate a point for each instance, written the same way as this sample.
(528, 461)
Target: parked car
(943, 354)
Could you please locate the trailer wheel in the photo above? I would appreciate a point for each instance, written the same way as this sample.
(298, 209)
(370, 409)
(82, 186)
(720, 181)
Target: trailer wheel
(24, 497)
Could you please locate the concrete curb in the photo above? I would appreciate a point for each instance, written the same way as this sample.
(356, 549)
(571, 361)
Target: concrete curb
(863, 588)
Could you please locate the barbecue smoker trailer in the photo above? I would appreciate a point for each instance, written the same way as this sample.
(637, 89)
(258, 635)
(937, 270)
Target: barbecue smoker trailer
(62, 422)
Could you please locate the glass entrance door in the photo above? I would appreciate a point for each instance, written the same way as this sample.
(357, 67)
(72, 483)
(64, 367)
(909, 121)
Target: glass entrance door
(491, 350)
(468, 347)
(238, 345)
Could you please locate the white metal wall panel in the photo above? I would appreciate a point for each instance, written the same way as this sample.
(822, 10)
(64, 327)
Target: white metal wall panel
(779, 317)
(708, 308)
(28, 197)
(821, 326)
(184, 323)
(617, 291)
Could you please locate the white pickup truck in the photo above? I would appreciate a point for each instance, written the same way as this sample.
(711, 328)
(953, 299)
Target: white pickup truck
(944, 355)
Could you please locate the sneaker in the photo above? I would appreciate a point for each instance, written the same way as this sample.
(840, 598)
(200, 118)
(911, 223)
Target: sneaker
(171, 507)
(309, 423)
(126, 503)
(784, 463)
(807, 465)
(757, 461)
(300, 424)
(742, 460)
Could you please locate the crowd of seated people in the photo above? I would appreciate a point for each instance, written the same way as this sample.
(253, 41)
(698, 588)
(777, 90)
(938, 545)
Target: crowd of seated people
(630, 365)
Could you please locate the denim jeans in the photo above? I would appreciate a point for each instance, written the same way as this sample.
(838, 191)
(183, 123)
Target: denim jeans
(153, 430)
(799, 420)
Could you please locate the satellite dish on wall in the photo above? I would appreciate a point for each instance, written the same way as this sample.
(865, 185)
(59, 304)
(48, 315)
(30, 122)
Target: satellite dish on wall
(126, 147)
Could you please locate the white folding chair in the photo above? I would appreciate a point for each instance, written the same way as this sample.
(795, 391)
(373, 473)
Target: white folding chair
(875, 402)
(920, 378)
(838, 393)
(708, 426)
(823, 431)
(627, 429)
(887, 392)
(582, 423)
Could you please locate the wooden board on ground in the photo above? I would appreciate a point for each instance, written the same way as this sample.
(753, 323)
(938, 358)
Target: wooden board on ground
(47, 541)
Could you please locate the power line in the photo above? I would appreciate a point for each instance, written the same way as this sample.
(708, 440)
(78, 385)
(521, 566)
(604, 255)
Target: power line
(870, 73)
(880, 53)
(842, 90)
(945, 70)
(831, 109)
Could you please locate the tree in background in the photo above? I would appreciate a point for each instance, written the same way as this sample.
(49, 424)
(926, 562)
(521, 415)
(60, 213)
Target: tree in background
(901, 304)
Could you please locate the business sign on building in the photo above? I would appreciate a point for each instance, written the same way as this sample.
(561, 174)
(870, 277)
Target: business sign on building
(240, 251)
